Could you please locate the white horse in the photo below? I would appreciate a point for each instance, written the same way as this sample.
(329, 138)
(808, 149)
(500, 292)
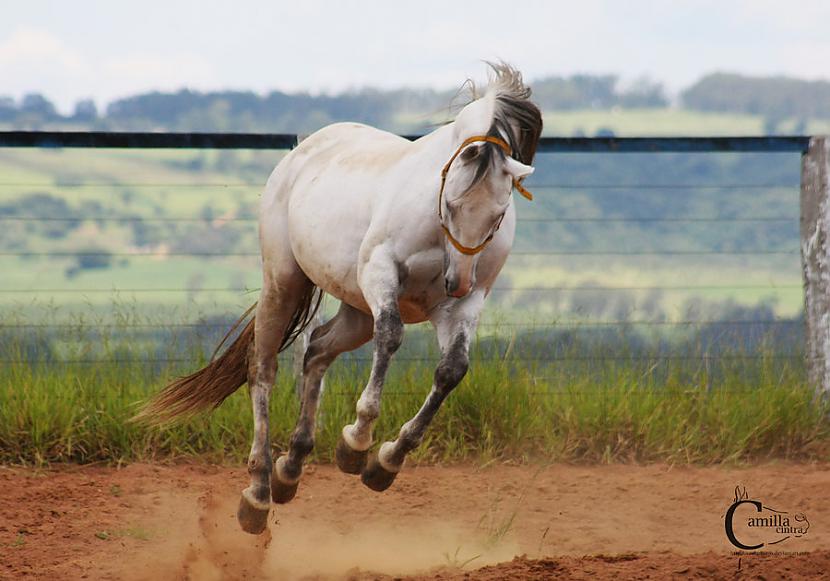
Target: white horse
(398, 231)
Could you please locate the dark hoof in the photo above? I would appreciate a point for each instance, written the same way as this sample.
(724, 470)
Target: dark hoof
(376, 476)
(253, 519)
(348, 460)
(280, 492)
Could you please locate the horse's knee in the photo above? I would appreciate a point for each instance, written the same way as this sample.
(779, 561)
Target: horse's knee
(388, 331)
(451, 371)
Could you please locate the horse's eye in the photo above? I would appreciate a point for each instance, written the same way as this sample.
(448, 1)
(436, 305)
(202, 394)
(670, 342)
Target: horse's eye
(470, 153)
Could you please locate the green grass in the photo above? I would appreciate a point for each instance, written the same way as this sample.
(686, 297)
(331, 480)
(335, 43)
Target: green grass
(593, 410)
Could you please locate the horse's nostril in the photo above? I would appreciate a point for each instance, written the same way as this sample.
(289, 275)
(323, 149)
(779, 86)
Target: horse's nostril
(450, 286)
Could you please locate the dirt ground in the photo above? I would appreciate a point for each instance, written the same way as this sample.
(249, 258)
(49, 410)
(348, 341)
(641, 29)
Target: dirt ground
(462, 522)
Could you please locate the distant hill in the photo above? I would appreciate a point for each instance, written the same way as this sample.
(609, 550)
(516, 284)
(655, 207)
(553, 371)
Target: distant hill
(775, 104)
(775, 98)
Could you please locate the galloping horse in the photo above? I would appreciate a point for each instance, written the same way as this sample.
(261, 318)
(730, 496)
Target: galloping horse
(400, 232)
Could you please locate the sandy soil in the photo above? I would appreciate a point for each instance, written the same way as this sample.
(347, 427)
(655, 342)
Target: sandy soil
(463, 522)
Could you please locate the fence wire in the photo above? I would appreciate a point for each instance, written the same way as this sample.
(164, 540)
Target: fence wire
(661, 266)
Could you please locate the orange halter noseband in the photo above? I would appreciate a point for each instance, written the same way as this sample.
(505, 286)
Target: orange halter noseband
(516, 184)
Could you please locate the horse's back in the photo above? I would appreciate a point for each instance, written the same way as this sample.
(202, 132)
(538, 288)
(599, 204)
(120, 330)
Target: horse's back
(338, 154)
(356, 136)
(319, 201)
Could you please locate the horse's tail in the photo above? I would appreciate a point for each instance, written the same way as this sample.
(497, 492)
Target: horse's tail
(207, 388)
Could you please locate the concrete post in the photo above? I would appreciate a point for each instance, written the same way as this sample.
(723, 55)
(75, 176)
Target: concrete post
(815, 259)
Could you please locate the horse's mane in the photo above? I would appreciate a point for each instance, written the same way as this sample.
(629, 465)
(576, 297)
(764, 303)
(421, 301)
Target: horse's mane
(515, 117)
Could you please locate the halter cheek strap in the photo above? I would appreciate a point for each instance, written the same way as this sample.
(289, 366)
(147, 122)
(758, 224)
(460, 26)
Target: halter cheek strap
(517, 183)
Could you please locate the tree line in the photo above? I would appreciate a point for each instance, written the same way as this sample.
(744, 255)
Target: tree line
(404, 110)
(773, 97)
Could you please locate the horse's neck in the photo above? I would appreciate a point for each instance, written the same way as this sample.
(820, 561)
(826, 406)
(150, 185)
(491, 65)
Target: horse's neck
(438, 144)
(475, 119)
(437, 147)
(431, 152)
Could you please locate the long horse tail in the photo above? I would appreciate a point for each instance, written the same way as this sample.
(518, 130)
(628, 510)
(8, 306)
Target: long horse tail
(207, 388)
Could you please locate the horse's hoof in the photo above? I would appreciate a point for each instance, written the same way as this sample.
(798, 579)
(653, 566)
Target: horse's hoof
(348, 460)
(252, 517)
(281, 492)
(376, 476)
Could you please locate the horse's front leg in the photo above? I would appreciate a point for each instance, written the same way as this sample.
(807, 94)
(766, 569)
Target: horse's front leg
(379, 283)
(456, 327)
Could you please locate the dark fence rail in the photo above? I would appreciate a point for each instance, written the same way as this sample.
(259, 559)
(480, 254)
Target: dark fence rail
(147, 140)
(150, 140)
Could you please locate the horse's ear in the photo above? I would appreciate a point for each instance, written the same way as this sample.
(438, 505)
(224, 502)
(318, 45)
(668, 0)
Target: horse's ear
(517, 169)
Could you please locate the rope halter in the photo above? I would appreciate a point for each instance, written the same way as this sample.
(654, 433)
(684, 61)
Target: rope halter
(517, 183)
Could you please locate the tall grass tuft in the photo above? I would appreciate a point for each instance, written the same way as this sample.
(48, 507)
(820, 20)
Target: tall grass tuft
(69, 400)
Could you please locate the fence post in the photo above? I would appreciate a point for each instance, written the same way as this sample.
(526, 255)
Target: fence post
(815, 260)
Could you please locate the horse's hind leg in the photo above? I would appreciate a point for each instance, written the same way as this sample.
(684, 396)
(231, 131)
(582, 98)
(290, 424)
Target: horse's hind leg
(284, 288)
(347, 330)
(455, 329)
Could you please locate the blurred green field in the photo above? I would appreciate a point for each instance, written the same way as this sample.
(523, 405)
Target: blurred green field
(151, 209)
(669, 122)
(651, 122)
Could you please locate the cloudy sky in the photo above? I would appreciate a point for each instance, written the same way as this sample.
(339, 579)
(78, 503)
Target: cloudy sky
(106, 49)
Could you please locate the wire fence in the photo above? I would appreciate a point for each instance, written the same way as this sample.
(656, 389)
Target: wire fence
(657, 257)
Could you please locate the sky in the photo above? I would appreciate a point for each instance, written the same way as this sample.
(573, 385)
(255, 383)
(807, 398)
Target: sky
(105, 49)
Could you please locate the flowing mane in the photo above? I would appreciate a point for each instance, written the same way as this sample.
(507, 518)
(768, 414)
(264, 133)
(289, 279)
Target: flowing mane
(515, 117)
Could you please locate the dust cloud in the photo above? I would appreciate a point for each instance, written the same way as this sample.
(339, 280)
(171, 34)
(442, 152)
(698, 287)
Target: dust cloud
(212, 547)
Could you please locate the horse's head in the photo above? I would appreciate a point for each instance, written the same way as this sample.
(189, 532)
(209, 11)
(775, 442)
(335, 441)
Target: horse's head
(496, 138)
